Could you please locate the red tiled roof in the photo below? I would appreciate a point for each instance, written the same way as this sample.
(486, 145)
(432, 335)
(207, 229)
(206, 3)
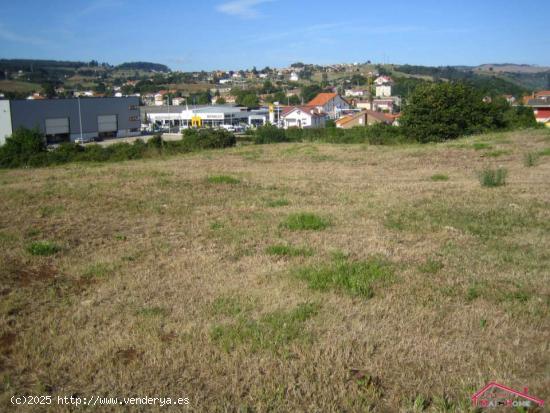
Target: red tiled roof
(542, 93)
(322, 99)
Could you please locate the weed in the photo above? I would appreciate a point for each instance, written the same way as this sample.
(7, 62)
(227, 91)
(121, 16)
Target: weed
(222, 179)
(530, 159)
(493, 177)
(544, 152)
(355, 278)
(216, 225)
(43, 248)
(305, 221)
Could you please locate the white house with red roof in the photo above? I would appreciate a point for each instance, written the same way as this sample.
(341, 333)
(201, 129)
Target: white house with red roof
(330, 103)
(383, 86)
(302, 117)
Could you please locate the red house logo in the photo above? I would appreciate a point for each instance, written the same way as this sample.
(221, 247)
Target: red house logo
(497, 395)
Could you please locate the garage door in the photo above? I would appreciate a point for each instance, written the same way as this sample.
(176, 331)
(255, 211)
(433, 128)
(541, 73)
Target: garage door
(107, 123)
(57, 126)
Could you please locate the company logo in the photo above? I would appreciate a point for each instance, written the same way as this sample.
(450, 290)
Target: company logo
(497, 395)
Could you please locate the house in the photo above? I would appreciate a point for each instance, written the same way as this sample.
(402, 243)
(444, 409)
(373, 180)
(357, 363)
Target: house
(542, 94)
(494, 395)
(363, 118)
(302, 117)
(541, 109)
(510, 99)
(330, 103)
(294, 77)
(383, 86)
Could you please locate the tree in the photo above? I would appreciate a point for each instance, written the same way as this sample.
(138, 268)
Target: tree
(309, 92)
(220, 101)
(442, 111)
(49, 89)
(23, 147)
(249, 100)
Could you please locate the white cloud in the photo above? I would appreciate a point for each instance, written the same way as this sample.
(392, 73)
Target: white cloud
(245, 9)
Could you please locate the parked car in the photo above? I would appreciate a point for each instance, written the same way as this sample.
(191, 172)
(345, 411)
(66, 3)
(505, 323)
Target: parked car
(84, 139)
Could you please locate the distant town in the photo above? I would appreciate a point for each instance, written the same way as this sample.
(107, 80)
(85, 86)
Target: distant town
(86, 101)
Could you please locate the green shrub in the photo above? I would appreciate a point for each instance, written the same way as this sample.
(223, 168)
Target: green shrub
(198, 139)
(493, 177)
(222, 179)
(43, 248)
(270, 134)
(305, 221)
(25, 147)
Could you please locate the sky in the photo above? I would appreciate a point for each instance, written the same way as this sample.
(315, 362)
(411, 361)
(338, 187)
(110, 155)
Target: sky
(238, 34)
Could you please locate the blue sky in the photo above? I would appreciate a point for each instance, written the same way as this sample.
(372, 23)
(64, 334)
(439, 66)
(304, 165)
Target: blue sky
(236, 34)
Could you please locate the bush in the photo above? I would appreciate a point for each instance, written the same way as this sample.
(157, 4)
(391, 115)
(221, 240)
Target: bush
(270, 134)
(25, 147)
(194, 140)
(493, 177)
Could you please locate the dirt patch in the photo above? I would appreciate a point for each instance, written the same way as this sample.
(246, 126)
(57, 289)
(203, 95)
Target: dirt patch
(21, 274)
(128, 355)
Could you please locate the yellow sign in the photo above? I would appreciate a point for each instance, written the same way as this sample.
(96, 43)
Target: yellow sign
(196, 122)
(271, 108)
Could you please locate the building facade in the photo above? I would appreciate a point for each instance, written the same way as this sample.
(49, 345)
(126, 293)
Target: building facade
(330, 103)
(64, 120)
(302, 117)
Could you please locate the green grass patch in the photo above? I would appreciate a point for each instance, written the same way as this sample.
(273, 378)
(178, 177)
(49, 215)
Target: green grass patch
(231, 306)
(280, 202)
(492, 178)
(480, 145)
(288, 251)
(357, 278)
(216, 225)
(544, 152)
(430, 266)
(482, 221)
(222, 179)
(305, 221)
(439, 177)
(98, 270)
(43, 248)
(273, 331)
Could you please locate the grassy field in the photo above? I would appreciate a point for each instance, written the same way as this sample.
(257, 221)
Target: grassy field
(290, 277)
(19, 86)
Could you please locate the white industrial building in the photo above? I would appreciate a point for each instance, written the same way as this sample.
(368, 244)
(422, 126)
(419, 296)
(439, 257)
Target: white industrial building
(203, 116)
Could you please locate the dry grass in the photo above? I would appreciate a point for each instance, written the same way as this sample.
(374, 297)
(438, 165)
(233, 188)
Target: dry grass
(164, 283)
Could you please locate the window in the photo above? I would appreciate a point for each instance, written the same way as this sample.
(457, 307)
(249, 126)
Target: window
(132, 107)
(133, 118)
